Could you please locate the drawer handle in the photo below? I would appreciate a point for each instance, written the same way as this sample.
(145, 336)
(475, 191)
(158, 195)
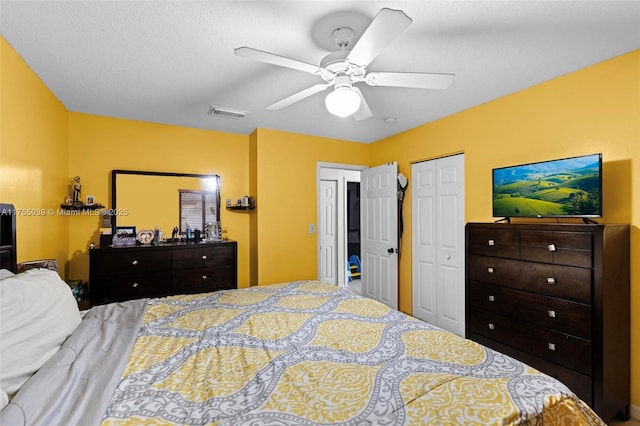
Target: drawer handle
(552, 314)
(491, 243)
(491, 326)
(204, 257)
(551, 280)
(204, 277)
(490, 270)
(134, 263)
(551, 247)
(134, 285)
(491, 298)
(552, 346)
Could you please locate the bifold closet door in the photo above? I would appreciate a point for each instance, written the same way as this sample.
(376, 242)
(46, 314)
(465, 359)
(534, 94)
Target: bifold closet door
(437, 199)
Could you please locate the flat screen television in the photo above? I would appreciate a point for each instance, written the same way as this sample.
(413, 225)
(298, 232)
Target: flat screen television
(566, 187)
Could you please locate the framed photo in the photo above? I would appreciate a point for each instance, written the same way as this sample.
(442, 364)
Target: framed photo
(124, 236)
(89, 200)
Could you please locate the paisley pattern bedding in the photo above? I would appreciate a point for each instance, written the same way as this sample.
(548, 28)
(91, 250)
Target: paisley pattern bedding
(307, 353)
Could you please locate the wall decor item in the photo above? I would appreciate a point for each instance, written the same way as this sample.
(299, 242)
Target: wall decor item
(90, 199)
(76, 189)
(124, 236)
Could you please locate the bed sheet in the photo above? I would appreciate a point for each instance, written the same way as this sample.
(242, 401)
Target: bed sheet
(75, 385)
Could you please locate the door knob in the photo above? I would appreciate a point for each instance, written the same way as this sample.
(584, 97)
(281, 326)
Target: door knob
(390, 251)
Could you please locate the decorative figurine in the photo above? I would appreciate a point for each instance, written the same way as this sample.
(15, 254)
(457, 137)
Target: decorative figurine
(77, 187)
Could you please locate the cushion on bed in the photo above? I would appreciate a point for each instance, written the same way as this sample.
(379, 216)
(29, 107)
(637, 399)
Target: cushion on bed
(5, 273)
(4, 399)
(37, 312)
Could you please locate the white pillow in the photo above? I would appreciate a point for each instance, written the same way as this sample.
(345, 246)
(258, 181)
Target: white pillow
(4, 399)
(37, 312)
(5, 273)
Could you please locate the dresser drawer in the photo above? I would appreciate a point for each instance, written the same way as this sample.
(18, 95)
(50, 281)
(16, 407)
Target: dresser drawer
(120, 262)
(579, 383)
(202, 257)
(552, 280)
(134, 286)
(560, 315)
(562, 349)
(494, 242)
(203, 280)
(560, 248)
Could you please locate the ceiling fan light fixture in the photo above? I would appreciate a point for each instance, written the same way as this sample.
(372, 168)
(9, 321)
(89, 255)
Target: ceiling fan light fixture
(342, 101)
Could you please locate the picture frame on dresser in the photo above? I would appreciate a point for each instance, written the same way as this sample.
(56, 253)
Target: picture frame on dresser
(124, 236)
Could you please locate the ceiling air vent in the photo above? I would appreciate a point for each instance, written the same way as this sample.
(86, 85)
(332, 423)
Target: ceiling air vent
(236, 114)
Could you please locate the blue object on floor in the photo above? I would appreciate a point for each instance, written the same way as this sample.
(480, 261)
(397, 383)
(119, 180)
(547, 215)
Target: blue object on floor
(355, 260)
(353, 267)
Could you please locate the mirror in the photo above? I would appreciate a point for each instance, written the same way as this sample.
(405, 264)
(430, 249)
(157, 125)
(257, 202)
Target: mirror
(149, 199)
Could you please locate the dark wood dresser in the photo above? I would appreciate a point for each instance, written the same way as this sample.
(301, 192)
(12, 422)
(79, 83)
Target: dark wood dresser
(122, 273)
(555, 296)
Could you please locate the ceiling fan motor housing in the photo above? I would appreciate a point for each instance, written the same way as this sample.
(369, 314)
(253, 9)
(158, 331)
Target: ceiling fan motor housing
(336, 63)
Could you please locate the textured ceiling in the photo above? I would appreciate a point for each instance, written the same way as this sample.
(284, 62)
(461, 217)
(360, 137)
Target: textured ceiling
(169, 61)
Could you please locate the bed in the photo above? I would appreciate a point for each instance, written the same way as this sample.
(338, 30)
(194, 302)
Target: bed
(295, 353)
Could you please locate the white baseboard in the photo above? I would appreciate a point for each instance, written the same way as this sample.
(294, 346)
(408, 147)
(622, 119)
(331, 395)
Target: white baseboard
(635, 411)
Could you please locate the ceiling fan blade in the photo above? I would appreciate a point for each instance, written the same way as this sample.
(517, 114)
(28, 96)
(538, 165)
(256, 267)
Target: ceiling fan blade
(385, 27)
(414, 80)
(364, 112)
(270, 58)
(296, 97)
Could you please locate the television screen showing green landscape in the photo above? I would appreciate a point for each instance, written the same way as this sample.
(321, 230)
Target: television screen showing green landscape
(556, 188)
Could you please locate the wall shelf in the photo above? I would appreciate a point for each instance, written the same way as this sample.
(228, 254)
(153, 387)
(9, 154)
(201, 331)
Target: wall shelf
(81, 206)
(241, 208)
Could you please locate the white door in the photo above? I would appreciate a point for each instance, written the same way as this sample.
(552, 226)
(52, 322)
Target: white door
(379, 233)
(332, 220)
(328, 231)
(423, 240)
(438, 242)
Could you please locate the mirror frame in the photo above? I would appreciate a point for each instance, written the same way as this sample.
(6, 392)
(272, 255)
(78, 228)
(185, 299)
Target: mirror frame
(116, 172)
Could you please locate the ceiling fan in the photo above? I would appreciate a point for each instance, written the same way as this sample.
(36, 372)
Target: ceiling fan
(345, 68)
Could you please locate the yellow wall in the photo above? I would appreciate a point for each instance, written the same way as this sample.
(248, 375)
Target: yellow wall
(596, 109)
(287, 200)
(33, 159)
(98, 145)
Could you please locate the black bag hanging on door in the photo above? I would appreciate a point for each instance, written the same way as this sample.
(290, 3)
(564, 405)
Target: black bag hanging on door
(402, 187)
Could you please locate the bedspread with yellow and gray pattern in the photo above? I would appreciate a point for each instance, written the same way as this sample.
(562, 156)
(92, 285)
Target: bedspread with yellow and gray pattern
(307, 353)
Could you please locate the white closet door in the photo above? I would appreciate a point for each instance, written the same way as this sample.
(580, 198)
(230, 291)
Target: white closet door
(423, 213)
(437, 191)
(450, 243)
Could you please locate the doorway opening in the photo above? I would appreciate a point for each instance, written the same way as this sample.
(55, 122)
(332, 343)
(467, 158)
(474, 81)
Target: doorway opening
(338, 220)
(354, 269)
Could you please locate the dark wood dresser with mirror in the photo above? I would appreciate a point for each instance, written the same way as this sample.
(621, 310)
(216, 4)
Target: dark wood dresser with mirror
(123, 273)
(555, 296)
